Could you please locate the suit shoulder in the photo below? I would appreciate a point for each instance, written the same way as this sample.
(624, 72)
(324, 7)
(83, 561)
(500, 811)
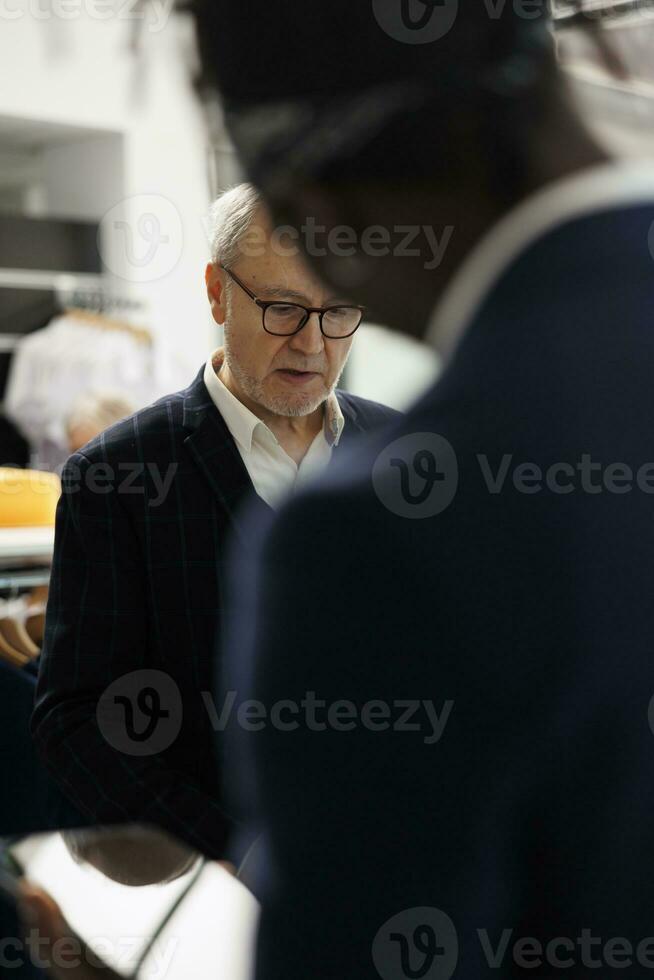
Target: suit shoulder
(369, 413)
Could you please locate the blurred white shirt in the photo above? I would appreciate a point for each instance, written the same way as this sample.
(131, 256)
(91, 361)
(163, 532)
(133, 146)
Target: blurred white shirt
(272, 471)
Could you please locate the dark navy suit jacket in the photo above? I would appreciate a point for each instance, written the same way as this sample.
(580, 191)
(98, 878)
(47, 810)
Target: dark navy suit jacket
(138, 586)
(523, 601)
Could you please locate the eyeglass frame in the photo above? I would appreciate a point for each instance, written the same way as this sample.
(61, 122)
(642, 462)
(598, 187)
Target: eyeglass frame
(320, 310)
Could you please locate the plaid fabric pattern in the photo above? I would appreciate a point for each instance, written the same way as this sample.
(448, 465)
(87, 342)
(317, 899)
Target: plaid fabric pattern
(138, 585)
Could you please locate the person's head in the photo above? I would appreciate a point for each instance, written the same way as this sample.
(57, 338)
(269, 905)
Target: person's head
(93, 412)
(413, 114)
(286, 373)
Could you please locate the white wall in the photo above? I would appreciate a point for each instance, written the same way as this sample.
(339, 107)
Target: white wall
(116, 130)
(121, 138)
(389, 368)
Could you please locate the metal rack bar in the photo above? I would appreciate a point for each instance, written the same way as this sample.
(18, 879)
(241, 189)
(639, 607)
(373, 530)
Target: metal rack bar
(80, 289)
(25, 580)
(57, 281)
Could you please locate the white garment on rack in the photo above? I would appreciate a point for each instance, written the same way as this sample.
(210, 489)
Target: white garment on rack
(55, 365)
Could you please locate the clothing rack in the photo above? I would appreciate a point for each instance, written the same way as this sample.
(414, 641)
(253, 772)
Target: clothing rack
(48, 282)
(99, 301)
(80, 292)
(55, 281)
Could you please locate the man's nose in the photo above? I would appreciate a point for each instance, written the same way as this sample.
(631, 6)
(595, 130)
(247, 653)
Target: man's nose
(310, 339)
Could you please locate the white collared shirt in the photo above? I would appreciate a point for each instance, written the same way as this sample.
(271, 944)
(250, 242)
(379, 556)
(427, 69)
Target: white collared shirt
(272, 471)
(598, 188)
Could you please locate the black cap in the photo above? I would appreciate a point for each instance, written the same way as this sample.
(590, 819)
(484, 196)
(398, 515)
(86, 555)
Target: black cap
(316, 49)
(305, 82)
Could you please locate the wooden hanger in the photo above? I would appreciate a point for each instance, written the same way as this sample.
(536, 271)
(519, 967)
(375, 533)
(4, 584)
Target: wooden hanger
(35, 626)
(17, 637)
(103, 322)
(12, 656)
(38, 596)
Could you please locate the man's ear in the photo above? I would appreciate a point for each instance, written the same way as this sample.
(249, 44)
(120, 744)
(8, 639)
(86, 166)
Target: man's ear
(214, 277)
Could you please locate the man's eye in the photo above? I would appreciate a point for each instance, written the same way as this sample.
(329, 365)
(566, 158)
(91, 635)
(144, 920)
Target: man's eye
(280, 310)
(341, 313)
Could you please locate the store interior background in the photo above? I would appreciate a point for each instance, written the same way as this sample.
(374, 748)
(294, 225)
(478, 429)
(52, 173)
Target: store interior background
(100, 125)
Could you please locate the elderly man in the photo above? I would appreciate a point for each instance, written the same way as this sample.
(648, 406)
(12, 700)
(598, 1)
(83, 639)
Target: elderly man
(123, 715)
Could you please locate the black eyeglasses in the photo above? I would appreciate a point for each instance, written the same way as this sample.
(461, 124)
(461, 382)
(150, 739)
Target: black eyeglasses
(286, 319)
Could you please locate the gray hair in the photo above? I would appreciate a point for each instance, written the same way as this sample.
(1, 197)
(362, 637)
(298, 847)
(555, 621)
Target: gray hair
(230, 217)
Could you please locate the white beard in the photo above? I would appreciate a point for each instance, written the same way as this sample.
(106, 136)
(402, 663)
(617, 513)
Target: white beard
(290, 405)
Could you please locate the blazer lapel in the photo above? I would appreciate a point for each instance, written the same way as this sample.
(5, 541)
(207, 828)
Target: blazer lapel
(214, 451)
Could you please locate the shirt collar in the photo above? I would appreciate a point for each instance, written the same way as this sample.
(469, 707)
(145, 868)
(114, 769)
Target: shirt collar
(334, 420)
(597, 188)
(243, 423)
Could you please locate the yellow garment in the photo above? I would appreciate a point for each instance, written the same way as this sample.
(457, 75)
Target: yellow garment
(28, 497)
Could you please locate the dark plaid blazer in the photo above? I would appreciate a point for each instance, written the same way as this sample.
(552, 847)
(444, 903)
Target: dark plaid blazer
(138, 585)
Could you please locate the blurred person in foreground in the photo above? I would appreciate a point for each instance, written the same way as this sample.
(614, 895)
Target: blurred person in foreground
(462, 777)
(470, 731)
